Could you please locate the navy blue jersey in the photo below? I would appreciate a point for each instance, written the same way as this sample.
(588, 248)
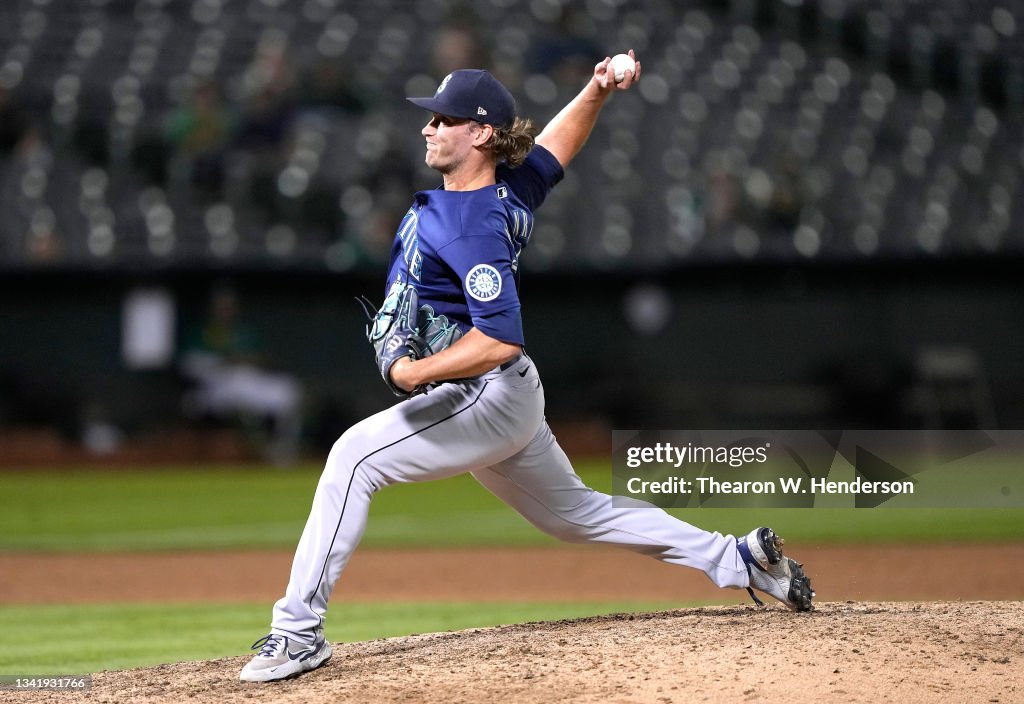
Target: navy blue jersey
(461, 248)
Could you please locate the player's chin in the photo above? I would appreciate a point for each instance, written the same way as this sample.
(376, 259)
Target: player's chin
(433, 162)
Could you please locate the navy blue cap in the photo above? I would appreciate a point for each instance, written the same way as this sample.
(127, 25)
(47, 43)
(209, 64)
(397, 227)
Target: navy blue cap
(474, 94)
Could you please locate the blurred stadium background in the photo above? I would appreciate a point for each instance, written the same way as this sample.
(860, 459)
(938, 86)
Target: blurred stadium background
(806, 215)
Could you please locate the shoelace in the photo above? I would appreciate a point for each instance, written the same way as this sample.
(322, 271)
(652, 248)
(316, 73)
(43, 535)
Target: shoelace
(268, 643)
(750, 563)
(754, 597)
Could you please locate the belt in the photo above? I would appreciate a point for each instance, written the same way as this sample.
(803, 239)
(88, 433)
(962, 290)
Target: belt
(510, 363)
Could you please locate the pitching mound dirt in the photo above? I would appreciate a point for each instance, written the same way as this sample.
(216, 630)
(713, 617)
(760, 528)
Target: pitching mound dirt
(842, 652)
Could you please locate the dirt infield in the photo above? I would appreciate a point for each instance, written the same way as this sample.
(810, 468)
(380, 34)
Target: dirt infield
(842, 652)
(563, 573)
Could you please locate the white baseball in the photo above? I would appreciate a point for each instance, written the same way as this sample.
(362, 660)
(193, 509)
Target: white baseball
(620, 64)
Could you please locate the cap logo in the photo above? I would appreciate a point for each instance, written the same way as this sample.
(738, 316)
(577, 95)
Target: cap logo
(481, 111)
(444, 84)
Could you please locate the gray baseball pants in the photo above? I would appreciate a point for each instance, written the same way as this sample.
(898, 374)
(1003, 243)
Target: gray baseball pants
(493, 427)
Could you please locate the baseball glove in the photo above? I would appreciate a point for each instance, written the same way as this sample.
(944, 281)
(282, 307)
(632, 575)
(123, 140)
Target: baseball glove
(436, 331)
(403, 328)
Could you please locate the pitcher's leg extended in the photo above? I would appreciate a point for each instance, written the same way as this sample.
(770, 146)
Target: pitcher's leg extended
(540, 483)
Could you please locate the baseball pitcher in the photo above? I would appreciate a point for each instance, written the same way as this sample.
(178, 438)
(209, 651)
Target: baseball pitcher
(449, 341)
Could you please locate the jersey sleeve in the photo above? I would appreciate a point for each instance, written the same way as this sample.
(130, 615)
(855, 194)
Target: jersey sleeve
(534, 179)
(483, 265)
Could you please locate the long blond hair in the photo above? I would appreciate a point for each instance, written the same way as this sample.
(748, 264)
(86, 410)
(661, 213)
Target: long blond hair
(512, 144)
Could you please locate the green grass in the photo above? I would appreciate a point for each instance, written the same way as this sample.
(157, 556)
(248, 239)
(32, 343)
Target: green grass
(258, 507)
(78, 640)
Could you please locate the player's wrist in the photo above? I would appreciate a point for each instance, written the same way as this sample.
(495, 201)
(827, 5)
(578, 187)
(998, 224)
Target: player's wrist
(403, 374)
(595, 92)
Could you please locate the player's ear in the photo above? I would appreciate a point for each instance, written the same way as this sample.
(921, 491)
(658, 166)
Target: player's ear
(482, 134)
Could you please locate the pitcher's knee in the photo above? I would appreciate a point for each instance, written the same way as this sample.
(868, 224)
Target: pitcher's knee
(570, 533)
(349, 456)
(566, 525)
(579, 522)
(356, 444)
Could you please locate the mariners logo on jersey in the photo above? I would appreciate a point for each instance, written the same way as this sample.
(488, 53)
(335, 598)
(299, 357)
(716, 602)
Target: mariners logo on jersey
(483, 282)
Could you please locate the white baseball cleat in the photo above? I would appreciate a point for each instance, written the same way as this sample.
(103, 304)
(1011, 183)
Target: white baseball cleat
(773, 573)
(278, 659)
